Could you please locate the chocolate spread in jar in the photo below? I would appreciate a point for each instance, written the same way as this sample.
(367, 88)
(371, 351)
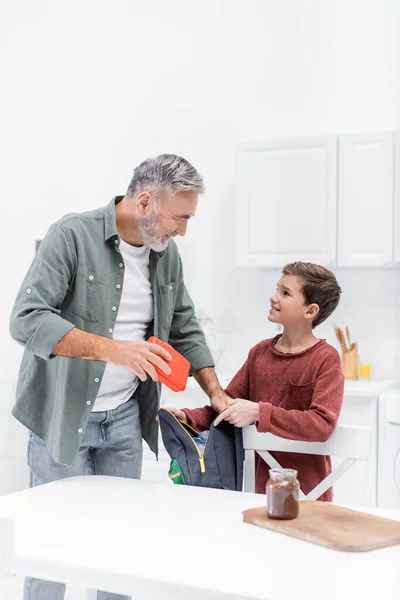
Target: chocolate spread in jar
(282, 494)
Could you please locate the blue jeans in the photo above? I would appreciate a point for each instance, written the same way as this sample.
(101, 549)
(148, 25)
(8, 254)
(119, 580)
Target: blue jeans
(111, 445)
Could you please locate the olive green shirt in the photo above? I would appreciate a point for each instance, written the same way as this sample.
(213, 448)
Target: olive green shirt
(76, 280)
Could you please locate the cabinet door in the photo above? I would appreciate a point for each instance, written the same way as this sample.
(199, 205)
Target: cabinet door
(365, 208)
(397, 198)
(286, 202)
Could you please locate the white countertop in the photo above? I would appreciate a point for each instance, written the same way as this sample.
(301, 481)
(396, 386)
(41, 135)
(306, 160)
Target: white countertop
(368, 387)
(157, 540)
(357, 387)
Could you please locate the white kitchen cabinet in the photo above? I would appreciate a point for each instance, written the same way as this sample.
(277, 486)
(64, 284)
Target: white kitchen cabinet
(365, 200)
(286, 202)
(397, 198)
(331, 200)
(359, 485)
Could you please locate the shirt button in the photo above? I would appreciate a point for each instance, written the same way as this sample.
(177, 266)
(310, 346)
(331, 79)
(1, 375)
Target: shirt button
(28, 291)
(121, 265)
(91, 277)
(110, 330)
(118, 286)
(170, 287)
(116, 241)
(80, 430)
(97, 379)
(114, 308)
(88, 402)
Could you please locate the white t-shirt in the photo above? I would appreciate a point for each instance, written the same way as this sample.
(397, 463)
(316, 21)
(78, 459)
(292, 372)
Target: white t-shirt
(134, 315)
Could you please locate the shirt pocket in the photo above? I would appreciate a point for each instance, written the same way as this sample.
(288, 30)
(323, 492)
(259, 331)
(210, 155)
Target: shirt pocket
(89, 297)
(299, 396)
(167, 303)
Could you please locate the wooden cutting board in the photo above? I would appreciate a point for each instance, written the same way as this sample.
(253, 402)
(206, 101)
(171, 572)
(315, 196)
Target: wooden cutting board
(331, 526)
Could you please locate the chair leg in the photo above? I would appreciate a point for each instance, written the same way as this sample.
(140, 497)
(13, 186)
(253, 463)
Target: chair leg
(269, 459)
(249, 471)
(331, 479)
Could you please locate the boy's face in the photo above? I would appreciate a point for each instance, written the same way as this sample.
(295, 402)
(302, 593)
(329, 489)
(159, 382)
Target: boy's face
(287, 303)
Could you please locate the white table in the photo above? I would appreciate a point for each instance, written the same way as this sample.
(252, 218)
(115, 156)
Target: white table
(154, 540)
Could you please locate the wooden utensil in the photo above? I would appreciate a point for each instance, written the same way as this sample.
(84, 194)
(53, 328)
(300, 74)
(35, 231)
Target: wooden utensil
(332, 526)
(341, 339)
(350, 362)
(348, 337)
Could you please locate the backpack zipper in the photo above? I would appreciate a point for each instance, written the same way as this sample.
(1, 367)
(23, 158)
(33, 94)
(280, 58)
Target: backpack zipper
(201, 454)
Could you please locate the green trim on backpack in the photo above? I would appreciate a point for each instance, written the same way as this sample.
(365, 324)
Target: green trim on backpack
(175, 472)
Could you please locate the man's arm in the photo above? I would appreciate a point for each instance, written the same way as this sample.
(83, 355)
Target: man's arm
(208, 381)
(220, 398)
(36, 320)
(37, 324)
(138, 357)
(188, 338)
(186, 335)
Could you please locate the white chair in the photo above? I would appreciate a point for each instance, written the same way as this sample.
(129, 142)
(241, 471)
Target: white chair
(350, 442)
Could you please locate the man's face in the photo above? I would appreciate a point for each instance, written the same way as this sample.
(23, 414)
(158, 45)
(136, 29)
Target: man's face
(169, 218)
(287, 303)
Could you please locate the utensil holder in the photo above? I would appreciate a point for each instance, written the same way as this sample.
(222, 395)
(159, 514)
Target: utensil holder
(350, 362)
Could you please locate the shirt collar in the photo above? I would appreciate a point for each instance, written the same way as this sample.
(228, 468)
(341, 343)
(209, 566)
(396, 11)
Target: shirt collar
(110, 223)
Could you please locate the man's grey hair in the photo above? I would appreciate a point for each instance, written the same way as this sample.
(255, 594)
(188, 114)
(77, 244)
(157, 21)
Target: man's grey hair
(165, 173)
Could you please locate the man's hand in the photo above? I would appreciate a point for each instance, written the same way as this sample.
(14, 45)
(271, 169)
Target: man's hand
(220, 401)
(178, 413)
(208, 381)
(240, 413)
(140, 357)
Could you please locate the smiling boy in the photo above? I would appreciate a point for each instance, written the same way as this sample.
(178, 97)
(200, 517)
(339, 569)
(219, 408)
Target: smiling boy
(291, 385)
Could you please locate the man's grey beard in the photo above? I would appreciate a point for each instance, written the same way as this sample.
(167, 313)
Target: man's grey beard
(147, 229)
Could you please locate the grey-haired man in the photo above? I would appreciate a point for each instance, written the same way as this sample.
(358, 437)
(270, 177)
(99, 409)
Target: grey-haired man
(100, 284)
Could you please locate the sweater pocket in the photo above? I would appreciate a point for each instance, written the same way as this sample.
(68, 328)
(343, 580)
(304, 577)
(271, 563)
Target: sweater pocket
(299, 396)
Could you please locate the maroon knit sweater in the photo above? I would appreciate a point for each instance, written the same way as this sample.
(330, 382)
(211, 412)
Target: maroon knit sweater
(300, 398)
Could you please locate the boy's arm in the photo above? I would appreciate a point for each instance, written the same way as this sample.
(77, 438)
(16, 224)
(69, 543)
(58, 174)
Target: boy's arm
(315, 424)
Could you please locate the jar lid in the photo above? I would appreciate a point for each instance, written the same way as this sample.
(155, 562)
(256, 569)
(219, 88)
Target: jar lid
(281, 474)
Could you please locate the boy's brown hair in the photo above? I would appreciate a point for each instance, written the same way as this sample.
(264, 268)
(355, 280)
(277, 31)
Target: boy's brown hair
(319, 287)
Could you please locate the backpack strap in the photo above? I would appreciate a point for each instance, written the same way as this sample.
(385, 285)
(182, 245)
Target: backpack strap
(239, 458)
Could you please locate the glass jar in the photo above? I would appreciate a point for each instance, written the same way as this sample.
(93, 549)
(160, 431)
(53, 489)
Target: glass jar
(282, 494)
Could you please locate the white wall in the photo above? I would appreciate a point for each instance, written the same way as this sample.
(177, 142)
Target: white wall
(90, 88)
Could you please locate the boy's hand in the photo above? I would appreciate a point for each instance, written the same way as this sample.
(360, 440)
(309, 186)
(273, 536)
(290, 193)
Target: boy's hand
(240, 413)
(178, 413)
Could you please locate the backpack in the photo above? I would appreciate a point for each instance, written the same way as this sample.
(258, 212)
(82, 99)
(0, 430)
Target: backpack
(212, 459)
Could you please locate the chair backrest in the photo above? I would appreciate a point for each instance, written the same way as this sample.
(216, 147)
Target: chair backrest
(350, 442)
